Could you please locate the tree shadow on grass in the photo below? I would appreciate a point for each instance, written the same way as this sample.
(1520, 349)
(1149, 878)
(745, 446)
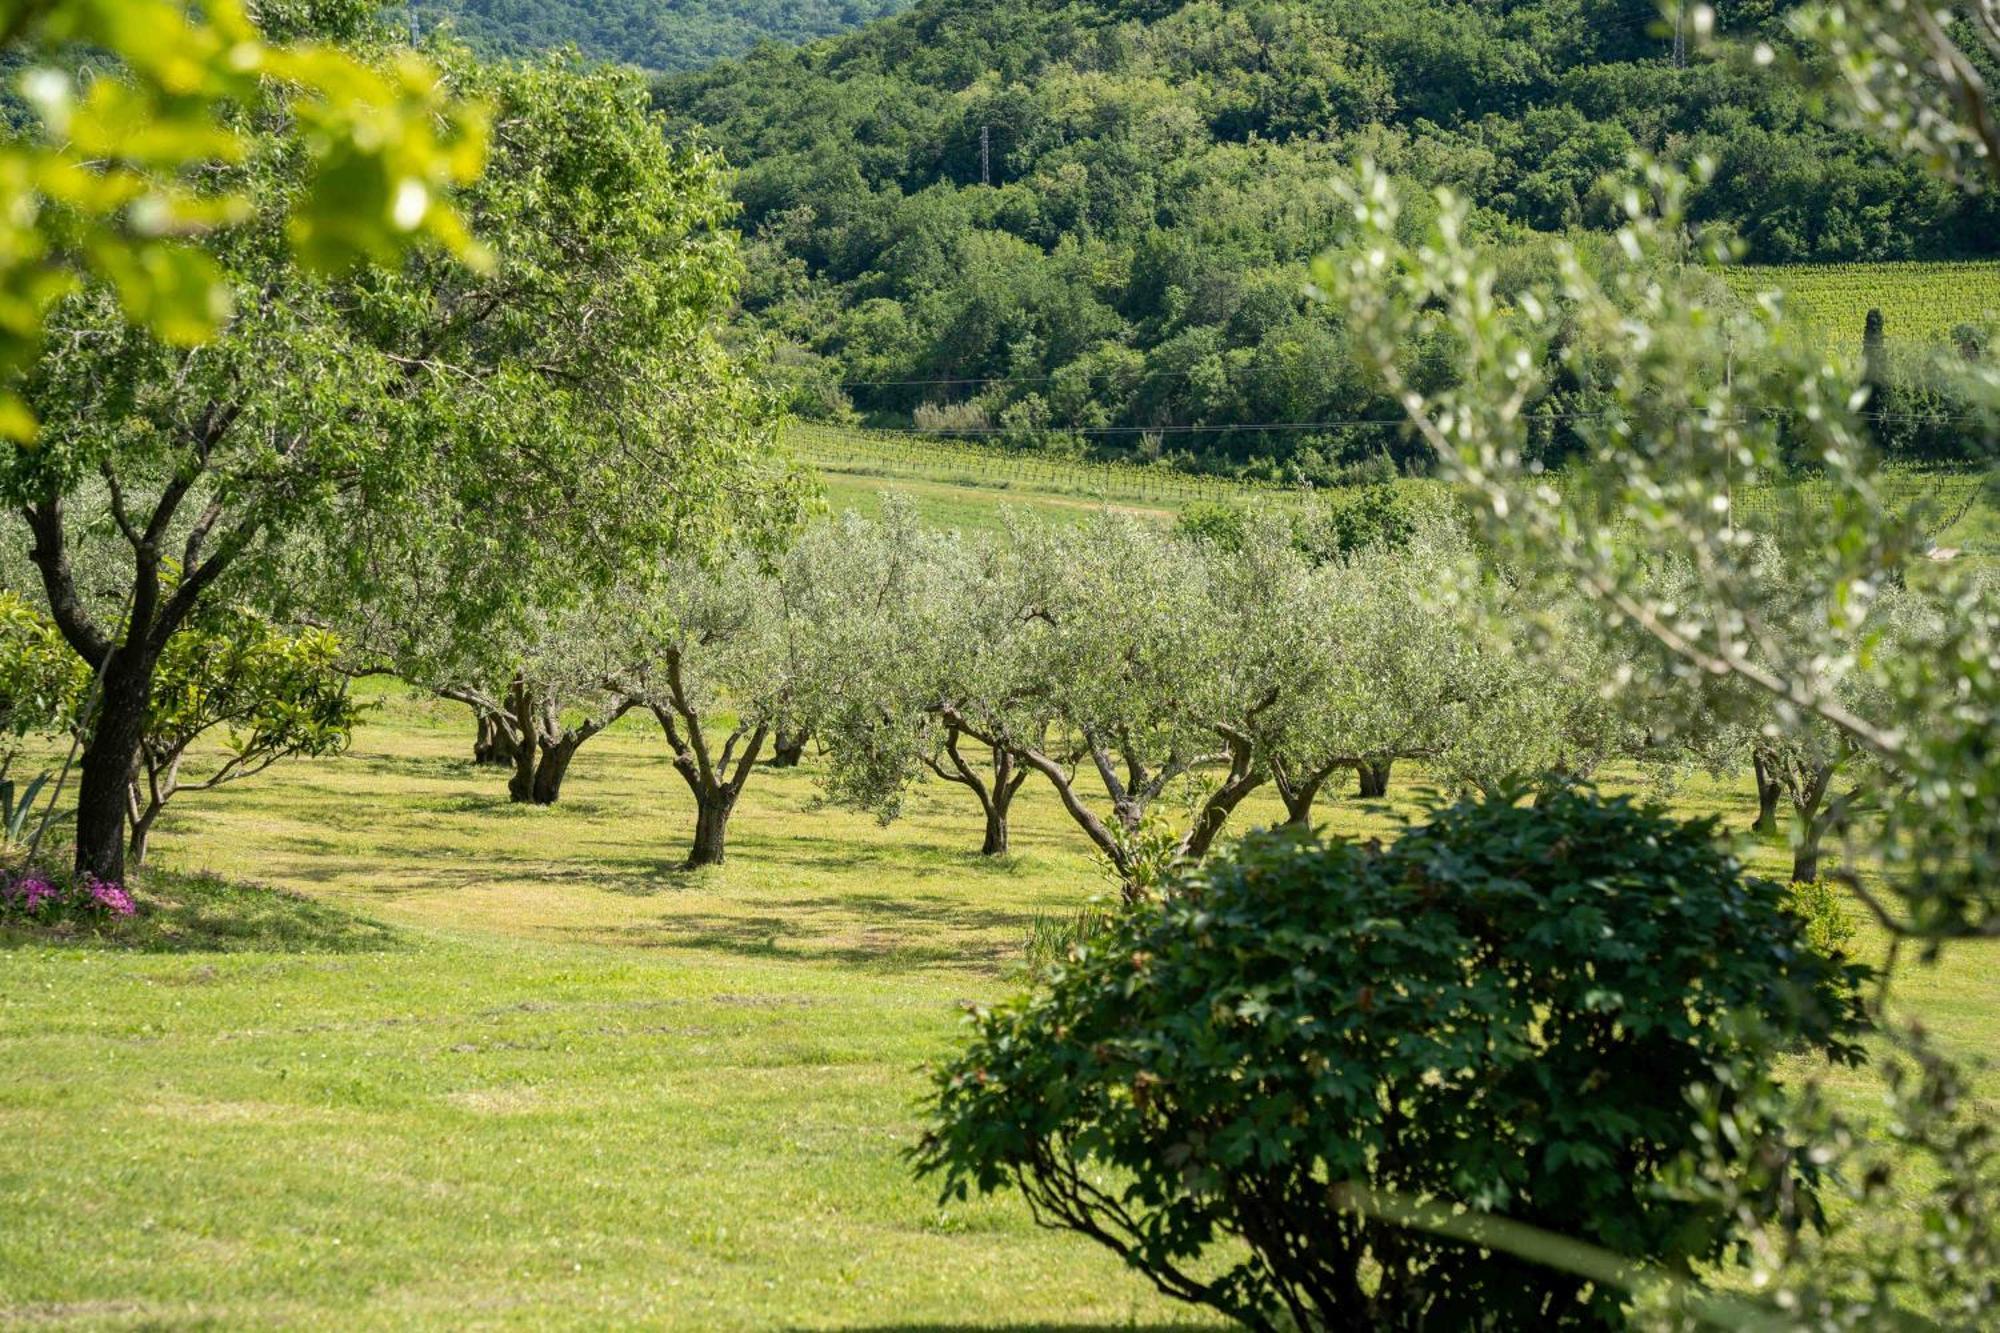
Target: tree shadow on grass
(867, 930)
(1025, 1328)
(201, 913)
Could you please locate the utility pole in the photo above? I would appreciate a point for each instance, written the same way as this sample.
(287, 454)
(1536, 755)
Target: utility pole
(1680, 34)
(985, 155)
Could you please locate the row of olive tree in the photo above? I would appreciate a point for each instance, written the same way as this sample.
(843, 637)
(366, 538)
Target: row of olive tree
(1154, 680)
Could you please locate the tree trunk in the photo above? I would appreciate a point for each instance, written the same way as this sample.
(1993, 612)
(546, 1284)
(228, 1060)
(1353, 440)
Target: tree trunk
(546, 786)
(711, 829)
(521, 787)
(495, 744)
(1769, 790)
(1811, 817)
(788, 747)
(108, 757)
(1373, 779)
(1298, 794)
(142, 829)
(995, 842)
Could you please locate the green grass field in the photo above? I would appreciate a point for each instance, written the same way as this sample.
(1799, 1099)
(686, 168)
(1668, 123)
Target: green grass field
(510, 1067)
(1920, 302)
(463, 1064)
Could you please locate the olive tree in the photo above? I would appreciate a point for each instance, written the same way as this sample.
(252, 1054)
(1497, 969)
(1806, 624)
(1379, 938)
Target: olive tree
(1388, 665)
(1114, 669)
(1708, 406)
(887, 622)
(710, 661)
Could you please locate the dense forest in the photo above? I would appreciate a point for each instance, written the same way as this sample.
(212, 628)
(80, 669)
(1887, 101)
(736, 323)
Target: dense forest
(1085, 224)
(651, 34)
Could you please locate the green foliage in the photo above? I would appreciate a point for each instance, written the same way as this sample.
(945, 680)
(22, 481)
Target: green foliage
(1056, 937)
(17, 808)
(1217, 522)
(1508, 1010)
(652, 34)
(1130, 276)
(106, 191)
(41, 680)
(1829, 924)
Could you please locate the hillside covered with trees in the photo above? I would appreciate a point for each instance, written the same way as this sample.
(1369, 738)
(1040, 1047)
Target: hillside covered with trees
(651, 34)
(1087, 224)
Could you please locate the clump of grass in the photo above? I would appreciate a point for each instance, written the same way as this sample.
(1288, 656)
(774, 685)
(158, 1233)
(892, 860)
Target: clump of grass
(1052, 935)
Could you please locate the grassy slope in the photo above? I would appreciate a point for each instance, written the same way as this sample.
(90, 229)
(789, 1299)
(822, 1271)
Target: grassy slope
(1919, 301)
(572, 1086)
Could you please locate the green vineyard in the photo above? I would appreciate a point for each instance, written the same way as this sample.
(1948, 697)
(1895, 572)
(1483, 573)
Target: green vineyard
(1921, 302)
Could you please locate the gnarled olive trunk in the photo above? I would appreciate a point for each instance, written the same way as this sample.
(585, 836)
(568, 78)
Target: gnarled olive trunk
(788, 747)
(995, 790)
(551, 768)
(494, 746)
(714, 780)
(1300, 790)
(711, 829)
(521, 703)
(545, 746)
(1372, 779)
(1769, 792)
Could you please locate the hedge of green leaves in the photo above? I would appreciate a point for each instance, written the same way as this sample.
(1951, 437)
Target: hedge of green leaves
(1504, 1010)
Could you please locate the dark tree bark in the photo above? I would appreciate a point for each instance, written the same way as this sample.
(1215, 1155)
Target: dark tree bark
(1373, 779)
(1769, 792)
(995, 793)
(494, 746)
(550, 771)
(788, 747)
(546, 746)
(715, 780)
(1300, 790)
(521, 704)
(1245, 775)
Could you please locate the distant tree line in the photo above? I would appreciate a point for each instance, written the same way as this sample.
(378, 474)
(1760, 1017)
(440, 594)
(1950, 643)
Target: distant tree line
(1128, 275)
(650, 34)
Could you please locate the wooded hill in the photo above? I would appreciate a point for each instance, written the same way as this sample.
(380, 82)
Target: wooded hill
(1127, 250)
(651, 34)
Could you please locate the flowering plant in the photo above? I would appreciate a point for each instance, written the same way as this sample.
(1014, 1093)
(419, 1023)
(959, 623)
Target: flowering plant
(34, 895)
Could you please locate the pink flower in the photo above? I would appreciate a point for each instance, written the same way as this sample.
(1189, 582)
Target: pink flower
(110, 897)
(31, 891)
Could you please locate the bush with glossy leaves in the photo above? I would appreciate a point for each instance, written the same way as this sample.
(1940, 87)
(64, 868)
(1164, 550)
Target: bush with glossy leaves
(1507, 1010)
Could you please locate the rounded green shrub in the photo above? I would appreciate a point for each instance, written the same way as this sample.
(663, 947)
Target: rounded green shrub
(1505, 1011)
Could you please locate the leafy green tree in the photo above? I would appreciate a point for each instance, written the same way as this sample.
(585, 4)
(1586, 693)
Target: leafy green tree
(340, 441)
(262, 693)
(103, 191)
(1501, 1018)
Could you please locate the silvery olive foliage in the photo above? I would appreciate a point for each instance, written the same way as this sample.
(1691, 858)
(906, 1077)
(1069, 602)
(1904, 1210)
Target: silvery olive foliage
(1860, 668)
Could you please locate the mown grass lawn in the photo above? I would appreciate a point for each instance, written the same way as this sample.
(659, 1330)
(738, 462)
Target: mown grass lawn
(511, 1067)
